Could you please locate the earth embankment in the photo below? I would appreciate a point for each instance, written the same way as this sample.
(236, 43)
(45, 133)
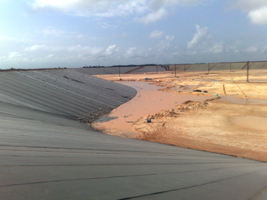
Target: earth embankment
(64, 93)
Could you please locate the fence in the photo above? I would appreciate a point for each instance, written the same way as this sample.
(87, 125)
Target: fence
(244, 67)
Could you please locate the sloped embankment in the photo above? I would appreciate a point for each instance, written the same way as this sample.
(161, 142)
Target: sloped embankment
(56, 95)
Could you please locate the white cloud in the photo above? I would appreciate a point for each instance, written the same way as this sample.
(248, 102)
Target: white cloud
(170, 37)
(110, 49)
(200, 35)
(148, 11)
(35, 47)
(156, 34)
(130, 52)
(68, 53)
(165, 45)
(105, 25)
(235, 47)
(204, 43)
(153, 17)
(63, 4)
(258, 16)
(256, 9)
(3, 58)
(248, 5)
(43, 47)
(242, 47)
(264, 49)
(14, 55)
(217, 48)
(85, 50)
(157, 4)
(52, 32)
(251, 49)
(77, 50)
(101, 8)
(235, 50)
(136, 54)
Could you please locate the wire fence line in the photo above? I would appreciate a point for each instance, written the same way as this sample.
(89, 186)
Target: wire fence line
(228, 67)
(247, 68)
(209, 67)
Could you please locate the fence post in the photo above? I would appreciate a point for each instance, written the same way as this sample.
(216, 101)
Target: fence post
(119, 71)
(157, 70)
(208, 68)
(248, 71)
(175, 70)
(184, 68)
(230, 67)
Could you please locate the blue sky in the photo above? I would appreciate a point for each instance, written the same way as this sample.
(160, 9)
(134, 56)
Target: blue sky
(74, 33)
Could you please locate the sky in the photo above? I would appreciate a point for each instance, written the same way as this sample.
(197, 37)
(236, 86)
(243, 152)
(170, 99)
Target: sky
(77, 33)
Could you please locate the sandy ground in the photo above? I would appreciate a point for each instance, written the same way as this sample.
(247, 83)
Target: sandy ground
(233, 124)
(147, 101)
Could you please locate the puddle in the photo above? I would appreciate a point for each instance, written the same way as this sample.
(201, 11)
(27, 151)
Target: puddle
(148, 101)
(106, 119)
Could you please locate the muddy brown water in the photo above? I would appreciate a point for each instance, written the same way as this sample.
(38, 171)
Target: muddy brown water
(148, 101)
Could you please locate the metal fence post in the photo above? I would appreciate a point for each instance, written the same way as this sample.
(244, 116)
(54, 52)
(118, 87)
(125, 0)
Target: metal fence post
(248, 71)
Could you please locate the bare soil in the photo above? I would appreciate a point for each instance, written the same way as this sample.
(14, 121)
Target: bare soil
(235, 123)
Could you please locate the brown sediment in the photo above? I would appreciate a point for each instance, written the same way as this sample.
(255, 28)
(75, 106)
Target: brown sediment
(231, 125)
(214, 125)
(177, 140)
(147, 101)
